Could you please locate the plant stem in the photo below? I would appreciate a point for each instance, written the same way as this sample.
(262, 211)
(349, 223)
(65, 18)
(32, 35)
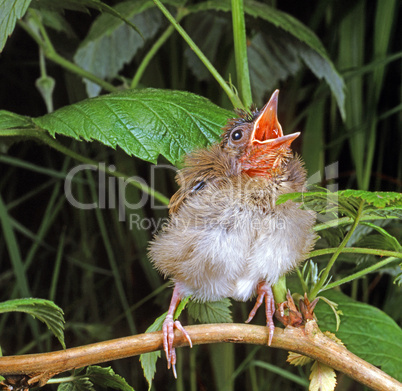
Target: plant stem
(232, 96)
(347, 220)
(360, 273)
(316, 289)
(61, 148)
(67, 379)
(333, 223)
(356, 250)
(302, 282)
(70, 66)
(51, 54)
(240, 49)
(155, 47)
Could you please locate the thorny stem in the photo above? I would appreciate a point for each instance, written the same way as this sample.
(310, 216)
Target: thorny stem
(317, 288)
(308, 341)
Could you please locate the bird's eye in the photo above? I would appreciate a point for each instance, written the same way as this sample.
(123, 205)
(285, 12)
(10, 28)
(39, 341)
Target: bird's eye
(237, 135)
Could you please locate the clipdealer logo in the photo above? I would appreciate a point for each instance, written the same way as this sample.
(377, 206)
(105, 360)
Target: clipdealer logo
(111, 190)
(111, 193)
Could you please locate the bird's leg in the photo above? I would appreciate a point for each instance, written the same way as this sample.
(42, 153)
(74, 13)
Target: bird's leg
(264, 291)
(168, 331)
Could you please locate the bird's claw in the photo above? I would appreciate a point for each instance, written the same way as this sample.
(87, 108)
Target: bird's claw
(264, 290)
(296, 316)
(168, 338)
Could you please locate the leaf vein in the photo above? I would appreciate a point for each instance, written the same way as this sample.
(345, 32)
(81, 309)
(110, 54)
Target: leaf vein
(128, 130)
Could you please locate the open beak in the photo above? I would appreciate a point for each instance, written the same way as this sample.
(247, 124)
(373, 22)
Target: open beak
(267, 130)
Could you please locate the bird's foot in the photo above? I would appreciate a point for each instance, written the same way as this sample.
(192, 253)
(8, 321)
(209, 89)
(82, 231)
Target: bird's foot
(264, 291)
(168, 338)
(296, 316)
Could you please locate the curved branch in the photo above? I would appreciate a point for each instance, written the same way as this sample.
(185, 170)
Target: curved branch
(309, 341)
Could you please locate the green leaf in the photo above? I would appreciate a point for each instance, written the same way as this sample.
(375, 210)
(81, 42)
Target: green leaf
(385, 239)
(211, 312)
(11, 10)
(148, 360)
(60, 6)
(44, 310)
(270, 57)
(75, 5)
(366, 331)
(392, 212)
(363, 230)
(144, 123)
(323, 68)
(346, 201)
(182, 305)
(282, 57)
(378, 199)
(374, 235)
(272, 15)
(111, 43)
(115, 12)
(106, 377)
(78, 384)
(319, 201)
(148, 364)
(57, 22)
(287, 23)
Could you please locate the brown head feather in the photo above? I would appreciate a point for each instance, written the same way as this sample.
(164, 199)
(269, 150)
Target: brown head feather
(200, 167)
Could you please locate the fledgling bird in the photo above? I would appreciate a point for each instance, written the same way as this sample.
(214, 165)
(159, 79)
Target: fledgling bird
(226, 236)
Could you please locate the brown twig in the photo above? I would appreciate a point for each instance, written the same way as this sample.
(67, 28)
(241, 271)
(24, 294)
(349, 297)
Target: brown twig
(309, 341)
